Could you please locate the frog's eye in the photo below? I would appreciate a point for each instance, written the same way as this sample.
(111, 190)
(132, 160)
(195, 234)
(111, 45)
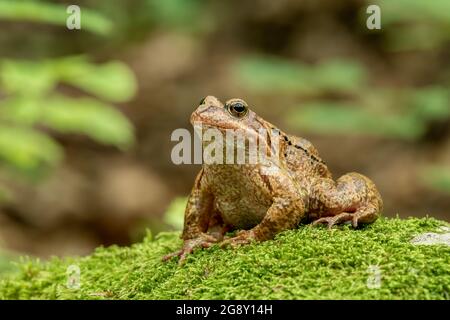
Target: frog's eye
(202, 101)
(237, 109)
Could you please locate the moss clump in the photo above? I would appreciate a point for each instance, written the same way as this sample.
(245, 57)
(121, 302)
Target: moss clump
(307, 263)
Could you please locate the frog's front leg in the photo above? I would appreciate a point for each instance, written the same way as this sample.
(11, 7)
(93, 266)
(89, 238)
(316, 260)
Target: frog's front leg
(353, 197)
(285, 213)
(198, 215)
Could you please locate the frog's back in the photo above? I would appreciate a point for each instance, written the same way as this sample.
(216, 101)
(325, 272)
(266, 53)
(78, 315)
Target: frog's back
(303, 160)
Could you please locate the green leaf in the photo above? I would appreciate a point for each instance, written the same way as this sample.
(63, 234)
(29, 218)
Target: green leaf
(339, 75)
(436, 11)
(183, 14)
(437, 177)
(22, 110)
(26, 78)
(274, 74)
(431, 103)
(416, 37)
(53, 14)
(112, 81)
(331, 118)
(415, 24)
(88, 116)
(27, 150)
(263, 73)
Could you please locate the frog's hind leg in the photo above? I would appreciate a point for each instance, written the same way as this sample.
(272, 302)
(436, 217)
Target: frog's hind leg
(333, 220)
(366, 214)
(353, 197)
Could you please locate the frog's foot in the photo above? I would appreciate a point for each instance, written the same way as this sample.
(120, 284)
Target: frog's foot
(333, 220)
(366, 214)
(243, 237)
(202, 241)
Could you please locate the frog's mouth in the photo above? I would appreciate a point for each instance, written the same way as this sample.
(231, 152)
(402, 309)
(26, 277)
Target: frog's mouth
(238, 139)
(223, 128)
(210, 123)
(206, 125)
(216, 119)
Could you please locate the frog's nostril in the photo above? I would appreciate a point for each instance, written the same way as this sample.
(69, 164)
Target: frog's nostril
(202, 108)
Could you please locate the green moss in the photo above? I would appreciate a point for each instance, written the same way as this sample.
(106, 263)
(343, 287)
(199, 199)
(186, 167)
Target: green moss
(307, 263)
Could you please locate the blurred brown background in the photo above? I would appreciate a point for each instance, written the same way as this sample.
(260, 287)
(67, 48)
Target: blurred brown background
(372, 101)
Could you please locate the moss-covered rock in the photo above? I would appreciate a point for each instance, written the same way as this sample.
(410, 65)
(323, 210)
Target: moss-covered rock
(376, 262)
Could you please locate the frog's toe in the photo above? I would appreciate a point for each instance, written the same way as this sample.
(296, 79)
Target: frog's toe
(365, 215)
(331, 221)
(234, 243)
(242, 238)
(327, 220)
(171, 255)
(183, 255)
(355, 221)
(203, 241)
(187, 250)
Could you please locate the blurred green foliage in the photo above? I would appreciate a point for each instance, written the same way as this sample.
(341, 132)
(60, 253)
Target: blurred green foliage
(186, 15)
(111, 81)
(437, 177)
(27, 150)
(32, 104)
(415, 24)
(265, 74)
(45, 12)
(32, 100)
(407, 120)
(333, 117)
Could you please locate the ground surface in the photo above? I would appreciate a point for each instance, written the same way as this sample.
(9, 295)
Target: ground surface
(376, 262)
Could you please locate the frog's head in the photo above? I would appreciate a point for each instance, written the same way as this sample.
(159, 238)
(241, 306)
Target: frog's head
(234, 115)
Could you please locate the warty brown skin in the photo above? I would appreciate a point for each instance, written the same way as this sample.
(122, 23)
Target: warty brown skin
(243, 197)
